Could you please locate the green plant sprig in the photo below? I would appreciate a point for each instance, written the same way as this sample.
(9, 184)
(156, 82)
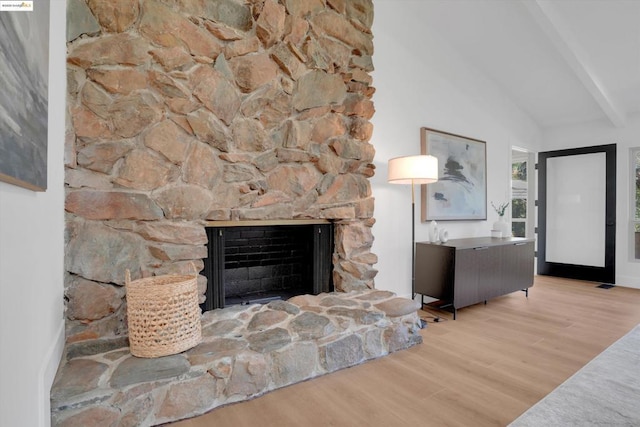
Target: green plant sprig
(500, 209)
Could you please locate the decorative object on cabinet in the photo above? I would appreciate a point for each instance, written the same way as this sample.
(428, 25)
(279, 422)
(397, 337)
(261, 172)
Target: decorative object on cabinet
(462, 272)
(422, 169)
(433, 232)
(461, 191)
(501, 224)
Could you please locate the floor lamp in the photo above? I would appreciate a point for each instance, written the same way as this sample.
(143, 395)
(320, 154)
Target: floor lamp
(413, 170)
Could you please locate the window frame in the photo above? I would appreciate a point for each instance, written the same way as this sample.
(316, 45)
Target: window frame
(634, 197)
(524, 220)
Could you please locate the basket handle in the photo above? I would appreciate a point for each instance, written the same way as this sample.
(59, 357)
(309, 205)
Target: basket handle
(127, 274)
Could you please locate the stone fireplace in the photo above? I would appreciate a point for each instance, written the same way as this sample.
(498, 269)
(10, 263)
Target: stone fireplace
(187, 113)
(187, 117)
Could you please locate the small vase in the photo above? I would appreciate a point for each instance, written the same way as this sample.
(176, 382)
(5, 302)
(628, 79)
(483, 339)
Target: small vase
(433, 232)
(503, 226)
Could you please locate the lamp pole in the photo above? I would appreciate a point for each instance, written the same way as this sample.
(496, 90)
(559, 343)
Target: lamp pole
(413, 241)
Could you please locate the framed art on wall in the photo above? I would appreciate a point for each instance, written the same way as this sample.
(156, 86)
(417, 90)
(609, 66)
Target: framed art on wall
(461, 190)
(24, 76)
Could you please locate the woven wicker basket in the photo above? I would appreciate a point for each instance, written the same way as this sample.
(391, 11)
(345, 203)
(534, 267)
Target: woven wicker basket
(163, 314)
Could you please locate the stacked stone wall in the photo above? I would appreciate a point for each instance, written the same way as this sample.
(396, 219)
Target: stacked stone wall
(181, 112)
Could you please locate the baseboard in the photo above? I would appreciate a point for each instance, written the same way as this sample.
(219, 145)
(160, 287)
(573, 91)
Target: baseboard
(628, 281)
(47, 374)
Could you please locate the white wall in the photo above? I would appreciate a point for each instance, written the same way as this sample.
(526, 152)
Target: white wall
(31, 266)
(420, 81)
(627, 137)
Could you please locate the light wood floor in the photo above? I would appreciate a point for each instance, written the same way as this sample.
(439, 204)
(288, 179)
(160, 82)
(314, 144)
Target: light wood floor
(483, 369)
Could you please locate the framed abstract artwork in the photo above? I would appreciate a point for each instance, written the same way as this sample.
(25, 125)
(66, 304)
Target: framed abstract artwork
(461, 190)
(24, 75)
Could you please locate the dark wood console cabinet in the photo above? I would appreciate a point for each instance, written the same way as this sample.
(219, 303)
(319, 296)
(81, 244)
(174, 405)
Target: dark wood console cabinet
(463, 272)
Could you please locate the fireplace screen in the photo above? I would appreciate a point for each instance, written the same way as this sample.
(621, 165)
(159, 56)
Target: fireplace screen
(258, 264)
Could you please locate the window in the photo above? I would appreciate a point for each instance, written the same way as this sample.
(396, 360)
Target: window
(519, 198)
(635, 180)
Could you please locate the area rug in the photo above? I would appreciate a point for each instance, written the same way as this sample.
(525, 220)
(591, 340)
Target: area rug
(605, 392)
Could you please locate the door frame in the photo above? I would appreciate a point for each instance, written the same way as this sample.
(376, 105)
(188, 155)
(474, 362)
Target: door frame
(604, 274)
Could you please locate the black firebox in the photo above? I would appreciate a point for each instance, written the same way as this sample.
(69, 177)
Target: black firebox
(259, 263)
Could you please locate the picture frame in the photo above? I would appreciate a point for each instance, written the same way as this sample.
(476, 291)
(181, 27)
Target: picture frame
(461, 190)
(24, 101)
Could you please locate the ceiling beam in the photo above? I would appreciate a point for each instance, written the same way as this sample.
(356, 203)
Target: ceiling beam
(555, 27)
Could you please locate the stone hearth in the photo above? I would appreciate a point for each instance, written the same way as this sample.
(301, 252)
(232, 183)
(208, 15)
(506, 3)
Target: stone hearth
(246, 351)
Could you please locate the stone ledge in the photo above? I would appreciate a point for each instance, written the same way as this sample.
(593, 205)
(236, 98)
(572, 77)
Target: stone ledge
(246, 351)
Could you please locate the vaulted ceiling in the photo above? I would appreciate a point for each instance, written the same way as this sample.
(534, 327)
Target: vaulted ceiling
(561, 61)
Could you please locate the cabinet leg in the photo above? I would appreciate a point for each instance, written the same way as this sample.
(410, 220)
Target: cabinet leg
(455, 312)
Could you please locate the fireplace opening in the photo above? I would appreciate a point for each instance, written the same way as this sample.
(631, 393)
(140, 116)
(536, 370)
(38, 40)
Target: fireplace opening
(252, 263)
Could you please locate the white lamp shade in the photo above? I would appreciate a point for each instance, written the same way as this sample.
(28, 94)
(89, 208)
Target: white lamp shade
(421, 169)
